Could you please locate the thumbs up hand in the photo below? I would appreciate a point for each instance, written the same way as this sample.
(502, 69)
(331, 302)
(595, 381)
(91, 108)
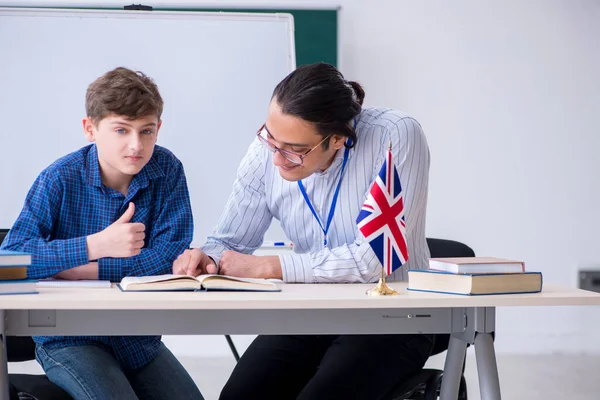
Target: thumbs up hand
(127, 215)
(121, 239)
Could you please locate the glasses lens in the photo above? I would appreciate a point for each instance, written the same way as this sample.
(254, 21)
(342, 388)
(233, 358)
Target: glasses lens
(291, 157)
(263, 136)
(264, 139)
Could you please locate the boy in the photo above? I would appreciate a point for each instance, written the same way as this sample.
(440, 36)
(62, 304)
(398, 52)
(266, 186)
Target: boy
(117, 207)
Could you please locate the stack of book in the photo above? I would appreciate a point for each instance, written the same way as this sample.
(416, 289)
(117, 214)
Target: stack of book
(13, 273)
(475, 276)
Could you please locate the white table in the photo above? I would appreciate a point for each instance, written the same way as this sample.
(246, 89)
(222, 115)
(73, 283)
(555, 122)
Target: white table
(298, 309)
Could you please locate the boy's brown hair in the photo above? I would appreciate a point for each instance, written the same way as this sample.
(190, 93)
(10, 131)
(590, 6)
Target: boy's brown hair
(123, 92)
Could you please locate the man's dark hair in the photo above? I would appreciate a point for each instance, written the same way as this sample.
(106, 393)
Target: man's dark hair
(318, 93)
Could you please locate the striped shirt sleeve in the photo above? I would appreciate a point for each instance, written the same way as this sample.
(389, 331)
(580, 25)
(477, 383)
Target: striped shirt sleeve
(246, 216)
(355, 262)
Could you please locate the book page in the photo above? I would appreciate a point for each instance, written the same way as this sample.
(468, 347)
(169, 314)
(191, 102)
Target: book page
(142, 280)
(476, 260)
(60, 283)
(224, 282)
(259, 281)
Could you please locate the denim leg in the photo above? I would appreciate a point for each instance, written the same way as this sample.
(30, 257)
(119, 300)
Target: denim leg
(164, 378)
(86, 372)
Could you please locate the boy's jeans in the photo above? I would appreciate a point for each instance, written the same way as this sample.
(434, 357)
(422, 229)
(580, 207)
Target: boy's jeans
(90, 372)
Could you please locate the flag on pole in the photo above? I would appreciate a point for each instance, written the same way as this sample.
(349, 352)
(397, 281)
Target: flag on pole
(381, 219)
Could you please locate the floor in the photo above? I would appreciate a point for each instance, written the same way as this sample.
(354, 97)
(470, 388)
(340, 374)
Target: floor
(547, 377)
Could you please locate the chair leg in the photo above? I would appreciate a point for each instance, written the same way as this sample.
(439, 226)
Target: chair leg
(462, 391)
(232, 347)
(433, 387)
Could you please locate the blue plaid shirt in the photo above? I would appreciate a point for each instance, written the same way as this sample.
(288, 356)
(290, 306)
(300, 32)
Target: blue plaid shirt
(68, 202)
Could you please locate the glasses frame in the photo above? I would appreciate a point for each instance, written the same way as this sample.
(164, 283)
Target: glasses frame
(297, 158)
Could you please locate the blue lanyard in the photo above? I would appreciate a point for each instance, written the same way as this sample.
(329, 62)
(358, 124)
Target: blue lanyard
(334, 201)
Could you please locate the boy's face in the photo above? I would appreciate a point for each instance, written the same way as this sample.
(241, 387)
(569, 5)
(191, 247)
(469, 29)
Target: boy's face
(124, 146)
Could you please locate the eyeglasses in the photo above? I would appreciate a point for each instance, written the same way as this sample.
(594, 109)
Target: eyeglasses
(293, 157)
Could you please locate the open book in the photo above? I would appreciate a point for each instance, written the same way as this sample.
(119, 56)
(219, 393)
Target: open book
(202, 282)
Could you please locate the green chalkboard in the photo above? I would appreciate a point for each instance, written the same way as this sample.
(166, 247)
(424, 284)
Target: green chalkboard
(315, 31)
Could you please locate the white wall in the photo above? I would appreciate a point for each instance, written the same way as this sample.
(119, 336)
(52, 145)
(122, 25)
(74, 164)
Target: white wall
(506, 92)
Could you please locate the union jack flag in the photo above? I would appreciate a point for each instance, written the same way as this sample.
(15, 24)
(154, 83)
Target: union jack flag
(381, 219)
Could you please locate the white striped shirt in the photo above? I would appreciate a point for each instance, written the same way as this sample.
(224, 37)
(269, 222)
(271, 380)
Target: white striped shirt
(259, 194)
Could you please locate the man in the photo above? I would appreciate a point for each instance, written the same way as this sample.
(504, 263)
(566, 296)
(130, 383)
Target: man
(311, 167)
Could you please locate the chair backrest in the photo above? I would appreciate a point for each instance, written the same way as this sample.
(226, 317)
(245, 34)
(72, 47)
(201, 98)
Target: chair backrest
(440, 248)
(20, 348)
(3, 233)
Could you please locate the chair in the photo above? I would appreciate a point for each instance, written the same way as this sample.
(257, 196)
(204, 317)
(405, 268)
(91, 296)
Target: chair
(29, 386)
(3, 233)
(426, 384)
(26, 386)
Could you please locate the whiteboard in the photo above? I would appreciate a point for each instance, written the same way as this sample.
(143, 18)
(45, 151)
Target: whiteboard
(215, 71)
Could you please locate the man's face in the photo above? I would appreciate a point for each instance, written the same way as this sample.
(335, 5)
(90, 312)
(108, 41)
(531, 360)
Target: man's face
(124, 146)
(298, 136)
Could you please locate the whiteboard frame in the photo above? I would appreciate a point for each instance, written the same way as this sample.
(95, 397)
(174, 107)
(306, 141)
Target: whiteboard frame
(223, 16)
(304, 5)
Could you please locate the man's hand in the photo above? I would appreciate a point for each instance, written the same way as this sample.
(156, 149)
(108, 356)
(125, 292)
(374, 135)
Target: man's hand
(194, 262)
(121, 239)
(246, 266)
(87, 271)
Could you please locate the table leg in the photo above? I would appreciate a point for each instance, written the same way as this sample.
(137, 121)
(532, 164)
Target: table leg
(487, 369)
(453, 368)
(3, 360)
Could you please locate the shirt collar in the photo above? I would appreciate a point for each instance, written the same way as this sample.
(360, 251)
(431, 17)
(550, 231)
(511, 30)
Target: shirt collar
(150, 171)
(93, 168)
(337, 162)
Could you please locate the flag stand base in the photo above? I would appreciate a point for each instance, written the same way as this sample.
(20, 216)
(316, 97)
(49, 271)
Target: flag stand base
(382, 289)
